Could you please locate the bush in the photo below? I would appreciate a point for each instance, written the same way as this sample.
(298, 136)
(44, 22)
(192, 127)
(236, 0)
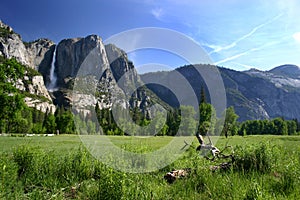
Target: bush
(5, 32)
(259, 158)
(23, 157)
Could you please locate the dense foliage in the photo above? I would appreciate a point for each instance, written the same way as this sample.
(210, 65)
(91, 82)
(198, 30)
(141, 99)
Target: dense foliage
(5, 32)
(16, 116)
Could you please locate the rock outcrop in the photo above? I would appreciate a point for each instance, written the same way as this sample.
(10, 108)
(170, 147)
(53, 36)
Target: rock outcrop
(40, 53)
(36, 94)
(34, 55)
(71, 53)
(12, 46)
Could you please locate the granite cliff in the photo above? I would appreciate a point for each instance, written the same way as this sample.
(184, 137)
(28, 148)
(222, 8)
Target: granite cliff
(67, 57)
(33, 55)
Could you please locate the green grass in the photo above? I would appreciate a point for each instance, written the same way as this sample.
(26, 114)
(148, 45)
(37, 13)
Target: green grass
(59, 144)
(267, 167)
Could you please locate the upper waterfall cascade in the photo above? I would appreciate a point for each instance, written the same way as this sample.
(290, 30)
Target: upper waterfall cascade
(53, 77)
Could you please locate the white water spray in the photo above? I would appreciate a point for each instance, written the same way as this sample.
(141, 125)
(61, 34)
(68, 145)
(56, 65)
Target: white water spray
(53, 77)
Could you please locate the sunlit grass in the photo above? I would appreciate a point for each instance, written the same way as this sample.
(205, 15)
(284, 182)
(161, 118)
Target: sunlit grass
(60, 167)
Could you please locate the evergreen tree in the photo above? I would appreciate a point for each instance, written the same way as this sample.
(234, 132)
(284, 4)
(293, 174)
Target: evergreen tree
(202, 96)
(292, 127)
(207, 118)
(188, 124)
(50, 124)
(230, 122)
(281, 126)
(64, 121)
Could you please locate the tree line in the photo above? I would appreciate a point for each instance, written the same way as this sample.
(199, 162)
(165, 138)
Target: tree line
(17, 117)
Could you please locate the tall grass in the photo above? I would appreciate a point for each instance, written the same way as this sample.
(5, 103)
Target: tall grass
(256, 158)
(262, 171)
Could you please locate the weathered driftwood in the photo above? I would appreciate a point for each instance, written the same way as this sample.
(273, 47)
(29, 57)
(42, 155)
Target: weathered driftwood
(175, 174)
(223, 166)
(210, 147)
(215, 153)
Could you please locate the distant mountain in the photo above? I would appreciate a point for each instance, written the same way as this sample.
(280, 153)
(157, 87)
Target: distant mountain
(254, 94)
(291, 71)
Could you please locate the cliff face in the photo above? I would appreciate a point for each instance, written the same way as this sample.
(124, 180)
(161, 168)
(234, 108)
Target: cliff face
(71, 53)
(118, 78)
(110, 68)
(34, 55)
(40, 54)
(11, 45)
(277, 90)
(39, 97)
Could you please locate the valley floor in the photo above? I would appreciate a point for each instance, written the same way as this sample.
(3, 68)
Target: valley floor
(60, 167)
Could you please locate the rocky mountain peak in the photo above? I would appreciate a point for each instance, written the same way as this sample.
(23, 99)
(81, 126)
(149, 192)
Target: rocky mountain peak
(11, 45)
(71, 53)
(292, 71)
(5, 26)
(44, 42)
(35, 54)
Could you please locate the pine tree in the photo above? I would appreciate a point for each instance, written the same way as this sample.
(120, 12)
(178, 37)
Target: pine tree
(50, 124)
(202, 96)
(230, 127)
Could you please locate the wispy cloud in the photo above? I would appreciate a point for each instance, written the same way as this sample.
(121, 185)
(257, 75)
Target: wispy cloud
(157, 13)
(243, 65)
(234, 57)
(233, 44)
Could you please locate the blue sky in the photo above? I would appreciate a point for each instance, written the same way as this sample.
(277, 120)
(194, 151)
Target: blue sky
(237, 34)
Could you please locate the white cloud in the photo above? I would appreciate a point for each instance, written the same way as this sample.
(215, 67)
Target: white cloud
(244, 65)
(233, 44)
(296, 37)
(157, 13)
(234, 57)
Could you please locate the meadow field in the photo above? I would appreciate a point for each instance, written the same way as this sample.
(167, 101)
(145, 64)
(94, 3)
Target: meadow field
(60, 167)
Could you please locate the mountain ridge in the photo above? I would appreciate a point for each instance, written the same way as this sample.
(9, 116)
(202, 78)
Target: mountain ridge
(254, 94)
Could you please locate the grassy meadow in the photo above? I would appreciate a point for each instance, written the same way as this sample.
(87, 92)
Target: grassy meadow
(59, 167)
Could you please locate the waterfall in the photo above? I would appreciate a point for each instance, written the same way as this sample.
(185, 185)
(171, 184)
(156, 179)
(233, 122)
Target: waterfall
(53, 77)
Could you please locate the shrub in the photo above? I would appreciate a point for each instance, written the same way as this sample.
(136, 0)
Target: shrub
(23, 157)
(259, 158)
